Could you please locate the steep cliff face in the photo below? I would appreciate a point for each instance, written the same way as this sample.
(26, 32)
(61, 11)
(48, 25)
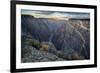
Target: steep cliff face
(69, 37)
(83, 26)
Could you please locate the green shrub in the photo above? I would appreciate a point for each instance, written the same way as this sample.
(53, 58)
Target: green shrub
(44, 47)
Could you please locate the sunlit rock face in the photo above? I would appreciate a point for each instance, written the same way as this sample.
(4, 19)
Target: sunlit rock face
(71, 37)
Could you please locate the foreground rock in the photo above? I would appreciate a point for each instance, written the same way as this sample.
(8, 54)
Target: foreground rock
(39, 56)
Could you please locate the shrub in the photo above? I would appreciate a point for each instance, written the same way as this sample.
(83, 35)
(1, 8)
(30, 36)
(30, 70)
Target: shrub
(44, 47)
(34, 43)
(76, 56)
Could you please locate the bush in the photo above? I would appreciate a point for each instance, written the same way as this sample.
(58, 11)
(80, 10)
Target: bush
(37, 44)
(44, 47)
(76, 56)
(34, 43)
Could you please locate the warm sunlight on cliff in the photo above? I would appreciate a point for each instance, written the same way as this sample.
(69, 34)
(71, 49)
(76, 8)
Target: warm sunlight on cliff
(58, 18)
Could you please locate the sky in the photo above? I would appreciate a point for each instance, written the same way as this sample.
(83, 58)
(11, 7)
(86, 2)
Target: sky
(55, 14)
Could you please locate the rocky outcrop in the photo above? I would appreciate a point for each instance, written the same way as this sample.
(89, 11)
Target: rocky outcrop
(39, 56)
(45, 52)
(84, 29)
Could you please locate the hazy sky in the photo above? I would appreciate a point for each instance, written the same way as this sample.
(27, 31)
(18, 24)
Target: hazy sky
(49, 14)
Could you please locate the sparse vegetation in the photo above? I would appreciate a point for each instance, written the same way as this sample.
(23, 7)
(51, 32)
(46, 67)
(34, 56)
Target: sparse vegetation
(34, 43)
(44, 47)
(76, 56)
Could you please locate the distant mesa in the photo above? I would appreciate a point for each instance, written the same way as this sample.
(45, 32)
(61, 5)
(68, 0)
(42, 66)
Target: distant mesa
(54, 17)
(50, 17)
